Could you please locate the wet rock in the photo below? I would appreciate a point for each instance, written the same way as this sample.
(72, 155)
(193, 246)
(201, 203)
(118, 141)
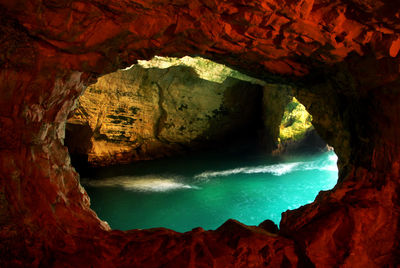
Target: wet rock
(269, 226)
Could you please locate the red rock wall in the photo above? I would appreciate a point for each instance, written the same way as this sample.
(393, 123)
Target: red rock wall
(342, 56)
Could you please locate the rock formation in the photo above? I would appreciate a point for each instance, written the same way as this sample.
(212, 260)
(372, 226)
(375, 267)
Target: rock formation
(340, 57)
(297, 134)
(147, 113)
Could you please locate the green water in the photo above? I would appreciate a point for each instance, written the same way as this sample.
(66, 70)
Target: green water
(207, 189)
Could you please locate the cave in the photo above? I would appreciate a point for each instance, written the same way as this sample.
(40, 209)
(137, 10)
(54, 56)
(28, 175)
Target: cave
(341, 58)
(186, 143)
(148, 111)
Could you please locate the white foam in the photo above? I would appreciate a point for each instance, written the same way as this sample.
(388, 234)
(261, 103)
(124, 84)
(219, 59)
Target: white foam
(333, 157)
(330, 168)
(277, 169)
(151, 183)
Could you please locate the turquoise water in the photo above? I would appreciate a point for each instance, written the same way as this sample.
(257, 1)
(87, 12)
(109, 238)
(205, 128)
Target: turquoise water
(207, 189)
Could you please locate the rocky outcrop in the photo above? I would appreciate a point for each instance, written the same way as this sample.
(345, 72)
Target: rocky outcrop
(296, 133)
(309, 143)
(147, 113)
(340, 57)
(168, 106)
(287, 124)
(275, 99)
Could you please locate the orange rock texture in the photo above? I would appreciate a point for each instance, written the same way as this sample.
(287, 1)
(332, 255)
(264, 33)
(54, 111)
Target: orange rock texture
(341, 57)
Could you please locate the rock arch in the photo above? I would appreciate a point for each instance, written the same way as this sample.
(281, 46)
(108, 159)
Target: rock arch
(341, 56)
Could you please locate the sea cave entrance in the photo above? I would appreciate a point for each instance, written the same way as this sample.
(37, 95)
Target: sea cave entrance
(222, 145)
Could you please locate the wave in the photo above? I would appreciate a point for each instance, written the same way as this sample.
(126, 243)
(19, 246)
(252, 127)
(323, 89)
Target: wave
(151, 183)
(276, 169)
(333, 157)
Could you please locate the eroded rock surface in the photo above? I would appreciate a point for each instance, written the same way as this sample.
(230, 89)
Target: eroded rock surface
(147, 113)
(168, 106)
(296, 132)
(341, 57)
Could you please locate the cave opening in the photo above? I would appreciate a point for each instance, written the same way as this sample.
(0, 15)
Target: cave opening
(342, 58)
(221, 145)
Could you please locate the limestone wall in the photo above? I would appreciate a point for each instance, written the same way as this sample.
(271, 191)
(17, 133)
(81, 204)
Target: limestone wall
(146, 113)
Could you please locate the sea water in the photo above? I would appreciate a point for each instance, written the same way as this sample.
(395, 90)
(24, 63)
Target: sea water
(205, 190)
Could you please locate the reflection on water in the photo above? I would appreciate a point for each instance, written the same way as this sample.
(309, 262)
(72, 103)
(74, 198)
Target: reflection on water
(206, 190)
